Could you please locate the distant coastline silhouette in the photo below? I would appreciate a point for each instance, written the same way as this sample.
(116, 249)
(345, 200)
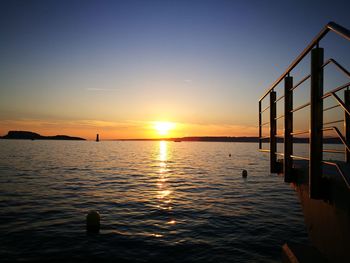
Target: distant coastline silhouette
(27, 135)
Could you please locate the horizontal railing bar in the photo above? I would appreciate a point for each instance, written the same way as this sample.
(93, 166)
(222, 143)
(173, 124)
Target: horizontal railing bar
(299, 132)
(264, 123)
(278, 99)
(327, 129)
(280, 154)
(279, 117)
(299, 157)
(329, 108)
(301, 82)
(331, 122)
(264, 150)
(329, 163)
(335, 90)
(265, 109)
(330, 26)
(333, 151)
(300, 107)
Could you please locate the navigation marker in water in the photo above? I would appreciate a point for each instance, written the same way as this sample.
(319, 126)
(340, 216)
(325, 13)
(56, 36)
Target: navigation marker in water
(97, 137)
(93, 222)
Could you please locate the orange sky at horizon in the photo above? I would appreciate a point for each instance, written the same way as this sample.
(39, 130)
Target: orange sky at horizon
(127, 130)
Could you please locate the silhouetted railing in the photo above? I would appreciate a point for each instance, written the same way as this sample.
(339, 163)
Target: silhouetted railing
(316, 127)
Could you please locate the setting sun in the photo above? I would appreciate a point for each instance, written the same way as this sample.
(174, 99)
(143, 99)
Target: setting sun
(163, 128)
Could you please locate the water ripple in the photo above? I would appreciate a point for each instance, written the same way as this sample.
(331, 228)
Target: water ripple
(159, 201)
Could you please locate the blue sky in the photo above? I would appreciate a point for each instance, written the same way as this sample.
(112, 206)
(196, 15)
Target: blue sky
(114, 66)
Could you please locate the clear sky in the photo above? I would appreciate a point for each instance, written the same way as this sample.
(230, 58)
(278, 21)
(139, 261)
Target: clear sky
(117, 67)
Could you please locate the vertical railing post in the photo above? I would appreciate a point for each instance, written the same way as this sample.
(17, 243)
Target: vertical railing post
(273, 128)
(316, 124)
(347, 124)
(288, 129)
(260, 128)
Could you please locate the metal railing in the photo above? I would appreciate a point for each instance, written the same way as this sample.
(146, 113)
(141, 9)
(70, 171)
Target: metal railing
(316, 127)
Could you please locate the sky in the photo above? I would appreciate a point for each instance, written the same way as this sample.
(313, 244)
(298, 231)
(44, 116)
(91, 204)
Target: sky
(119, 68)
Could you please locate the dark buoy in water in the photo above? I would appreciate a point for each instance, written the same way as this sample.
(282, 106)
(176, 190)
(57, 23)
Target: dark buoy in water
(93, 222)
(229, 155)
(244, 173)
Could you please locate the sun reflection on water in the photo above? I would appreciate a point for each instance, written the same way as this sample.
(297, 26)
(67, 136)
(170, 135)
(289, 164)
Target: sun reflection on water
(172, 222)
(163, 151)
(164, 193)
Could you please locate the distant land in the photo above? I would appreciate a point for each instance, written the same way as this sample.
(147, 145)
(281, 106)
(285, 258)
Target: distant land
(330, 140)
(27, 135)
(199, 139)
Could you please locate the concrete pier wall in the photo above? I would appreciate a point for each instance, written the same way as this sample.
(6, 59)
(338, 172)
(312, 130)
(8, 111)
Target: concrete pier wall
(327, 220)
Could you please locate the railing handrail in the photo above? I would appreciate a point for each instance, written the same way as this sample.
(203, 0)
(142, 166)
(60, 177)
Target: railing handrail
(331, 26)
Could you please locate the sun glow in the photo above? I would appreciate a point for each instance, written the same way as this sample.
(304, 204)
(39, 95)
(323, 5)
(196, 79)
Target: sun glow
(163, 128)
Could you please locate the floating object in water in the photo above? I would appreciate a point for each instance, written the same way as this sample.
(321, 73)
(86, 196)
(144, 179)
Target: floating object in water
(244, 173)
(97, 137)
(93, 221)
(229, 155)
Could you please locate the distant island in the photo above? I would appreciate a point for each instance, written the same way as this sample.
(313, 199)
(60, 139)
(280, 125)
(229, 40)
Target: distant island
(27, 135)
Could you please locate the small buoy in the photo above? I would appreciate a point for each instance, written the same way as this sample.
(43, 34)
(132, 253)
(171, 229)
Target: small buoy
(229, 155)
(244, 173)
(93, 221)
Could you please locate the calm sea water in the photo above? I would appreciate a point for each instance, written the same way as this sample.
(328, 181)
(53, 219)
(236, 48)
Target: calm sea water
(159, 202)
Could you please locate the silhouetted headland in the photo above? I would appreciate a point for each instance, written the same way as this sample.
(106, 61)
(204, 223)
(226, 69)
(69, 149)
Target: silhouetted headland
(27, 135)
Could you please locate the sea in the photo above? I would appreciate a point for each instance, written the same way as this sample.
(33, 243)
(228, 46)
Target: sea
(159, 201)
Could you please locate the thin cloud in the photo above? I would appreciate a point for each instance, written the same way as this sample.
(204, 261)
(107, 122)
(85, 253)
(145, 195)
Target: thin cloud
(101, 89)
